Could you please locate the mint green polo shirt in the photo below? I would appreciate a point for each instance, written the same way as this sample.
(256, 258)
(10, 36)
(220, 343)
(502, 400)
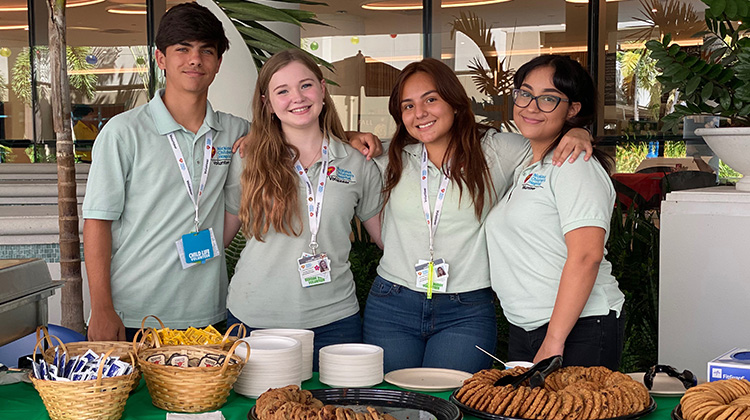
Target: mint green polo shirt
(266, 291)
(135, 182)
(459, 239)
(526, 238)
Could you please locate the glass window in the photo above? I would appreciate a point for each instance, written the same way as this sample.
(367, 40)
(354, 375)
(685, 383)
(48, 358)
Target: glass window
(15, 93)
(485, 44)
(368, 46)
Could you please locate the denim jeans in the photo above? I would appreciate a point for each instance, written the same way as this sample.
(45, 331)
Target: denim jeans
(439, 332)
(593, 341)
(347, 330)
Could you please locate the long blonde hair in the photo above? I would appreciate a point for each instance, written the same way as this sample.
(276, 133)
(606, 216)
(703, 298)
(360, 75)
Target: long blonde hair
(269, 182)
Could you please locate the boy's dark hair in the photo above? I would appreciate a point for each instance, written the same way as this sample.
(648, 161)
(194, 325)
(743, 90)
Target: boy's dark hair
(188, 22)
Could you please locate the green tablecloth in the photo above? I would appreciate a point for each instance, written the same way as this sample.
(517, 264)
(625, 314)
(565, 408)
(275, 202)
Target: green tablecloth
(21, 401)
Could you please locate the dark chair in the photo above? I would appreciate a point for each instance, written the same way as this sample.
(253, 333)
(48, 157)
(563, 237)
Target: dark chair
(686, 180)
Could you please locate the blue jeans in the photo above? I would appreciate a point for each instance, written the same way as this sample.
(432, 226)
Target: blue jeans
(593, 341)
(347, 330)
(439, 332)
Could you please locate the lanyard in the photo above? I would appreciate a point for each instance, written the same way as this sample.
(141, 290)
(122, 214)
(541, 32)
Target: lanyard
(315, 201)
(432, 222)
(186, 175)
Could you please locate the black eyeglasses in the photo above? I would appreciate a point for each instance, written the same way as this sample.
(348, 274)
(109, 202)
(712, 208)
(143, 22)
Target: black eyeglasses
(686, 377)
(545, 103)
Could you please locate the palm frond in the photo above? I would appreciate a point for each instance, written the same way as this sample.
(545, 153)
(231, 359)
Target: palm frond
(477, 30)
(261, 41)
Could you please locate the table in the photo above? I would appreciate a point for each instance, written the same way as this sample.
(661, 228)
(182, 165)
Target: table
(641, 189)
(21, 401)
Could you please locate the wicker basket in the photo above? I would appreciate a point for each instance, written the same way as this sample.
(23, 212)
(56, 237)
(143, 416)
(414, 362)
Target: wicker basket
(122, 349)
(228, 341)
(100, 398)
(190, 389)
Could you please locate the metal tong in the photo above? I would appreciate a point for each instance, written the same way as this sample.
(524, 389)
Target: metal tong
(535, 374)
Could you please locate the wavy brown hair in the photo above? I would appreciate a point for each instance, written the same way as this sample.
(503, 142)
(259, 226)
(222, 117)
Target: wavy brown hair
(465, 157)
(269, 182)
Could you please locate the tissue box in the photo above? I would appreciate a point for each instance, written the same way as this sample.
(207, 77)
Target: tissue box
(732, 364)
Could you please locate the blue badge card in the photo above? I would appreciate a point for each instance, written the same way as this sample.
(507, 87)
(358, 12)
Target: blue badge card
(197, 246)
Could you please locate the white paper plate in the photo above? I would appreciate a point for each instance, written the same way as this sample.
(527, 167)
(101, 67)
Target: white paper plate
(427, 379)
(664, 385)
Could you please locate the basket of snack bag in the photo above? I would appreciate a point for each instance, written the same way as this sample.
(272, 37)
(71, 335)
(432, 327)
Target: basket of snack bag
(208, 336)
(190, 378)
(121, 349)
(86, 386)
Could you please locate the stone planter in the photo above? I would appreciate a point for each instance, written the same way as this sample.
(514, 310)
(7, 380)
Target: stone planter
(732, 145)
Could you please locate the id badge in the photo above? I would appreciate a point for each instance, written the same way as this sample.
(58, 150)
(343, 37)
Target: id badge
(314, 269)
(197, 247)
(439, 275)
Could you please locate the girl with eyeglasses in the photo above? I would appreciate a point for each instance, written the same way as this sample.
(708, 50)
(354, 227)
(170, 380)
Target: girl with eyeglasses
(546, 237)
(432, 302)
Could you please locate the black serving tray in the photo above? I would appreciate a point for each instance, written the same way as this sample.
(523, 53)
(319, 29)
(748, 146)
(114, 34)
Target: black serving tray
(677, 413)
(489, 416)
(403, 405)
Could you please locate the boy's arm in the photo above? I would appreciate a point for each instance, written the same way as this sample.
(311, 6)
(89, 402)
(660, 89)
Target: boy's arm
(105, 324)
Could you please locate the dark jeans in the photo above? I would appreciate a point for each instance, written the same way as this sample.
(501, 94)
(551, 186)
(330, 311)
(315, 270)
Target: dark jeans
(347, 330)
(593, 341)
(440, 332)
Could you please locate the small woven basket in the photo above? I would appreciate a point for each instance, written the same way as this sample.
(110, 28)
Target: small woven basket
(122, 349)
(100, 398)
(228, 341)
(190, 389)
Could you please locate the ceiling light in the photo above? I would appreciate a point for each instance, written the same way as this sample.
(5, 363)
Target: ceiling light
(417, 5)
(13, 27)
(21, 6)
(128, 9)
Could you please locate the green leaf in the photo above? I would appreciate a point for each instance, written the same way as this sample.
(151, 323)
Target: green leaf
(255, 11)
(718, 6)
(265, 36)
(698, 66)
(715, 71)
(725, 75)
(725, 100)
(745, 110)
(707, 91)
(681, 56)
(690, 61)
(692, 84)
(682, 75)
(674, 49)
(731, 9)
(672, 69)
(743, 8)
(667, 39)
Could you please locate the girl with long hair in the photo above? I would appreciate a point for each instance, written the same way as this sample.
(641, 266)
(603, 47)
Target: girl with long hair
(432, 302)
(546, 236)
(301, 186)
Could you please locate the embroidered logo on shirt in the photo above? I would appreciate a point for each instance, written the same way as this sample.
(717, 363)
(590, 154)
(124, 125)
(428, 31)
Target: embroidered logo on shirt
(534, 181)
(221, 155)
(341, 175)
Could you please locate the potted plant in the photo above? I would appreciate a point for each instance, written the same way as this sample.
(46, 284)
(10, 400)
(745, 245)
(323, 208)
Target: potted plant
(716, 82)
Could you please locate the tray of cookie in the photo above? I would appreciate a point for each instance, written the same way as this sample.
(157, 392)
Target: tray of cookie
(292, 403)
(727, 399)
(570, 393)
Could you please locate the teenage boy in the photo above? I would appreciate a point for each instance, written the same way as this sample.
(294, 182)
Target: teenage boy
(154, 206)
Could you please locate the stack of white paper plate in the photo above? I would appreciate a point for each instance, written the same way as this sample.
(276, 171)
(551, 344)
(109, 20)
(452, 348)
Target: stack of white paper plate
(351, 365)
(305, 337)
(274, 362)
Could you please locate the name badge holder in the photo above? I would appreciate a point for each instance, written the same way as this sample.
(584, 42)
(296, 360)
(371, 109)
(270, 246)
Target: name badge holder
(198, 246)
(314, 268)
(432, 274)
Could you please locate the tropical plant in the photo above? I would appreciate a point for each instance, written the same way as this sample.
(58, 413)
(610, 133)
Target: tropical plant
(639, 71)
(668, 17)
(262, 41)
(717, 83)
(633, 250)
(83, 83)
(492, 79)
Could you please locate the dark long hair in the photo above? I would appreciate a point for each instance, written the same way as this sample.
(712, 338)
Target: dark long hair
(464, 156)
(575, 82)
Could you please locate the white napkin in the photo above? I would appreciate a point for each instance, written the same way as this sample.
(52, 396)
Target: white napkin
(214, 415)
